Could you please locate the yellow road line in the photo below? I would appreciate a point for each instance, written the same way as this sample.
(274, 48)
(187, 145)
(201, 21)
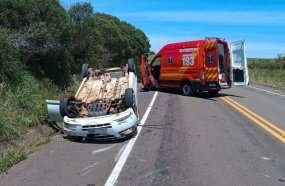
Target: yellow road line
(266, 125)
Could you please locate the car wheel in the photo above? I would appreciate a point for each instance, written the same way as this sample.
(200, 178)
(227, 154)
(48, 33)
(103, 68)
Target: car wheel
(187, 89)
(66, 108)
(84, 71)
(131, 65)
(129, 98)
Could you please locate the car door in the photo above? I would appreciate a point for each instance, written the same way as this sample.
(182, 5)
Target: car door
(53, 110)
(239, 63)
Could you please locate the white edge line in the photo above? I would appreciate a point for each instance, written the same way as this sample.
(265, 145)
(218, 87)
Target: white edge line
(266, 91)
(120, 164)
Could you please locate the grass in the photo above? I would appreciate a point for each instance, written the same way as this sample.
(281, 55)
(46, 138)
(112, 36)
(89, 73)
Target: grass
(269, 72)
(75, 83)
(24, 106)
(11, 157)
(41, 142)
(271, 78)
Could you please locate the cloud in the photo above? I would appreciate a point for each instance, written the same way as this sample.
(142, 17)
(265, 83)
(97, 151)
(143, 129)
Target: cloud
(224, 17)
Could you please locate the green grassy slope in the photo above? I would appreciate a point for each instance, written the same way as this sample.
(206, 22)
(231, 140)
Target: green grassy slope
(269, 72)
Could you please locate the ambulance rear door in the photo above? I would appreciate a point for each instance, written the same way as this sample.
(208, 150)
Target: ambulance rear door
(239, 63)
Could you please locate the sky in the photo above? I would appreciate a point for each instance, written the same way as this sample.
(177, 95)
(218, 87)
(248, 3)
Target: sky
(261, 23)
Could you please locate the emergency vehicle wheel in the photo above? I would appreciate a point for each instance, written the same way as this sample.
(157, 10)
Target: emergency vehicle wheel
(187, 89)
(131, 65)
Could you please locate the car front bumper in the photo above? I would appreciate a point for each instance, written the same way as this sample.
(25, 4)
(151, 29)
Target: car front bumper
(103, 127)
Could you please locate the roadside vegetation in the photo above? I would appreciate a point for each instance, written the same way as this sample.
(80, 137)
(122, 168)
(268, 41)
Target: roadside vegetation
(42, 46)
(269, 72)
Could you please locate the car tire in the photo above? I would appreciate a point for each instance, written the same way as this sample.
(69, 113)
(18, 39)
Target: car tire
(131, 65)
(186, 89)
(84, 71)
(129, 98)
(66, 108)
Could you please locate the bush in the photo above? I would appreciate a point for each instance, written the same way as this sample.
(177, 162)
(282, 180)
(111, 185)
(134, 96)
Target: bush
(272, 64)
(10, 65)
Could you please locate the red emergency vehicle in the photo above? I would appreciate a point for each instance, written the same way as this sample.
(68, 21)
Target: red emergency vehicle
(193, 66)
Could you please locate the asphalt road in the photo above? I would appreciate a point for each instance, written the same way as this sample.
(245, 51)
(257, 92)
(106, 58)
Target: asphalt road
(184, 141)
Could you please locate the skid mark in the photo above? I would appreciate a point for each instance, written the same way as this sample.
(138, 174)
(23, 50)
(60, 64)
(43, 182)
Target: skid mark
(120, 152)
(89, 169)
(103, 149)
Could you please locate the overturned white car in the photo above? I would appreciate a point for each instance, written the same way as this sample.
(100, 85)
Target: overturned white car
(104, 107)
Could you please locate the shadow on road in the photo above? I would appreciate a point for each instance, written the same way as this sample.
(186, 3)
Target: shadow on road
(202, 95)
(229, 95)
(98, 141)
(161, 126)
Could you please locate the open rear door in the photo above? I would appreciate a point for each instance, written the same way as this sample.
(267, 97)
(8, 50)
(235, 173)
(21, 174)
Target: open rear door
(239, 63)
(147, 78)
(144, 72)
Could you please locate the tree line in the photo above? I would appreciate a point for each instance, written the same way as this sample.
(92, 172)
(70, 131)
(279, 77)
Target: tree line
(50, 42)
